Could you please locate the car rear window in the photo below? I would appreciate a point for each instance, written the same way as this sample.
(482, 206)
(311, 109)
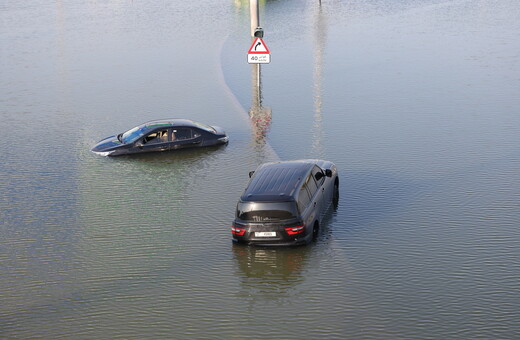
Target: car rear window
(266, 211)
(205, 127)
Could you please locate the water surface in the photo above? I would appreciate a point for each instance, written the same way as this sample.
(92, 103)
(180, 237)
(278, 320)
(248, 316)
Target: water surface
(415, 101)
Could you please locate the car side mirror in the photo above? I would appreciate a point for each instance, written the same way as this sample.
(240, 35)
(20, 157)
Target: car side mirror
(328, 173)
(318, 176)
(251, 173)
(139, 144)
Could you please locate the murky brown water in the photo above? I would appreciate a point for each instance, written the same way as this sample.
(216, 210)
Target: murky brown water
(415, 101)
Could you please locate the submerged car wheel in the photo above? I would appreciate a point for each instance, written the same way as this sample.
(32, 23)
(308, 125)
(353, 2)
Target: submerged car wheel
(335, 195)
(315, 231)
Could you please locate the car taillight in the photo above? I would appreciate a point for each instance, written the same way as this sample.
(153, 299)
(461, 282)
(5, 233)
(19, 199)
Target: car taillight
(295, 230)
(237, 231)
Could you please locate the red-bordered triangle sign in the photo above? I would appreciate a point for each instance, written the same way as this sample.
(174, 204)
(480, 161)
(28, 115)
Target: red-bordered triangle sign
(258, 46)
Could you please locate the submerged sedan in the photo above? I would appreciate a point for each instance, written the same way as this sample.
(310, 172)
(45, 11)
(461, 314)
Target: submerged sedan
(161, 135)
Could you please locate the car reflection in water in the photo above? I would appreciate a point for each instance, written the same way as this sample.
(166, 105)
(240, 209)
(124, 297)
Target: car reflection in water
(269, 272)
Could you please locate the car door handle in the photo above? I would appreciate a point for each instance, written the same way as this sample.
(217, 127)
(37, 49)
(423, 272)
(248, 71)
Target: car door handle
(197, 142)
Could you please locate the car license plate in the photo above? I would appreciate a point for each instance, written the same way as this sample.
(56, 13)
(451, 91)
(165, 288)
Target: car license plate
(265, 234)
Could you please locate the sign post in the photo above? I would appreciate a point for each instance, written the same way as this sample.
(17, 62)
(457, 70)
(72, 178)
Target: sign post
(258, 53)
(255, 16)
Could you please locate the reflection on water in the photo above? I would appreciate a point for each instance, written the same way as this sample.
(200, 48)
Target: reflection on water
(269, 272)
(415, 101)
(259, 114)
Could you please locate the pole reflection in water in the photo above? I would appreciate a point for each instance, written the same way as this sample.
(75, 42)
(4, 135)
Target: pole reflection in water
(320, 35)
(260, 115)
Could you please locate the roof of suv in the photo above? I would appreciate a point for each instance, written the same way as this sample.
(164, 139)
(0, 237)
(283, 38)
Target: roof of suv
(277, 181)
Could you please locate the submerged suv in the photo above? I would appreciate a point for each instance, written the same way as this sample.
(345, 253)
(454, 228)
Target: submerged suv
(284, 202)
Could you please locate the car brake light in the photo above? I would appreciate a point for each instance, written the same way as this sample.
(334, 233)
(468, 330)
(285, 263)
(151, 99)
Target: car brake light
(237, 231)
(295, 230)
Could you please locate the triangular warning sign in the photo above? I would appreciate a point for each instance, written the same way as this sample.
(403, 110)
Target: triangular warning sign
(258, 46)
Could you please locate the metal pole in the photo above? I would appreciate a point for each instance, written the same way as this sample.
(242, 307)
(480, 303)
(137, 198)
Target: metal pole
(256, 86)
(255, 16)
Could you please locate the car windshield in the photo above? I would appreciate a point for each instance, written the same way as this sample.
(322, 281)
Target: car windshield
(132, 134)
(266, 211)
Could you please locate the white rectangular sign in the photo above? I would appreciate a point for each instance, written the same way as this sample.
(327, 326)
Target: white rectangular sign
(259, 58)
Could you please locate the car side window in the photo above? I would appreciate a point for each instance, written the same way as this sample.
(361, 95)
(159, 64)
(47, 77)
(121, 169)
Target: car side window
(311, 185)
(182, 134)
(303, 198)
(156, 137)
(315, 171)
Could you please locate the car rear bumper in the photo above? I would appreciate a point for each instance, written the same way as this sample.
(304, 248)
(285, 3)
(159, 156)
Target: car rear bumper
(269, 235)
(273, 243)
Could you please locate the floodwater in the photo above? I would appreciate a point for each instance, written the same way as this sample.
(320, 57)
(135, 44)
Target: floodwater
(417, 102)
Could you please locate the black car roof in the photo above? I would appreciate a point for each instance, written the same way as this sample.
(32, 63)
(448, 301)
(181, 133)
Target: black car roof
(174, 122)
(170, 122)
(277, 181)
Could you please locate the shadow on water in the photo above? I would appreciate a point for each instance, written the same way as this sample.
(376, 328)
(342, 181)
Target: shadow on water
(368, 196)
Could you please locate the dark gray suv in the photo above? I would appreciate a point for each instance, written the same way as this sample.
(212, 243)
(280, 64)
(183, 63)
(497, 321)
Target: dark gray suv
(285, 202)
